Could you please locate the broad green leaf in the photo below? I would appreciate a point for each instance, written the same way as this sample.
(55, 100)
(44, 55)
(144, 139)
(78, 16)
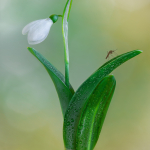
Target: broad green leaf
(64, 93)
(80, 98)
(94, 113)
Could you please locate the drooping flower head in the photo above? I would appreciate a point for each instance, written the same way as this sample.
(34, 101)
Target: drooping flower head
(38, 30)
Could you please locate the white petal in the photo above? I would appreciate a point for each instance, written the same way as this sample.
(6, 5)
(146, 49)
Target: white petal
(26, 29)
(39, 31)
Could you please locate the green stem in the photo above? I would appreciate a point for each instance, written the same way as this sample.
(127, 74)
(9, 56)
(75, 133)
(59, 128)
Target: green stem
(66, 55)
(65, 38)
(67, 74)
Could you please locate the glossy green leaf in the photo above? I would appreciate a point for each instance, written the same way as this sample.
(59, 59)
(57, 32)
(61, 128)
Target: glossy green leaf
(64, 93)
(80, 98)
(94, 113)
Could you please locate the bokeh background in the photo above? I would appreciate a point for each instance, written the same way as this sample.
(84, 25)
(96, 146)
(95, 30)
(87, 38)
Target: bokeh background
(30, 114)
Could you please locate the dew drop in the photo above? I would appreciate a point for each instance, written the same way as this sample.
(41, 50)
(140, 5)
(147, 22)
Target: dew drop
(72, 120)
(68, 123)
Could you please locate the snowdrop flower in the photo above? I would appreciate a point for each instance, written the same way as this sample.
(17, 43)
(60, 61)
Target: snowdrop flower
(38, 30)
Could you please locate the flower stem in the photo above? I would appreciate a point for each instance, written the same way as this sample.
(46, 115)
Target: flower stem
(66, 53)
(65, 37)
(67, 74)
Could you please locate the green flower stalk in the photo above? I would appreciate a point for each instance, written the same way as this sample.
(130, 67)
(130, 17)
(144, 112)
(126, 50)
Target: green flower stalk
(65, 37)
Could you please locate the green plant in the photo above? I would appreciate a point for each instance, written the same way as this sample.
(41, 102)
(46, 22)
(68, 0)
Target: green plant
(84, 111)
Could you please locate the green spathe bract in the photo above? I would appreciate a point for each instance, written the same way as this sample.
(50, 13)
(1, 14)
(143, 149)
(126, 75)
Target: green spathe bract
(80, 98)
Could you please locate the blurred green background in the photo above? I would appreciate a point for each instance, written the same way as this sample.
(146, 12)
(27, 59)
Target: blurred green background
(30, 114)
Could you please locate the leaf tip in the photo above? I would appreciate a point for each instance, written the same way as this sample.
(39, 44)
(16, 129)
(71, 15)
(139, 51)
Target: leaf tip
(111, 76)
(140, 51)
(31, 50)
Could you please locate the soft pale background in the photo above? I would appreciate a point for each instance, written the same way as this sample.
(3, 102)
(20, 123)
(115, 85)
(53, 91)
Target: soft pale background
(30, 115)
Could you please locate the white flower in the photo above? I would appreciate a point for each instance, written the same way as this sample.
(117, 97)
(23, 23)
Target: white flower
(38, 30)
